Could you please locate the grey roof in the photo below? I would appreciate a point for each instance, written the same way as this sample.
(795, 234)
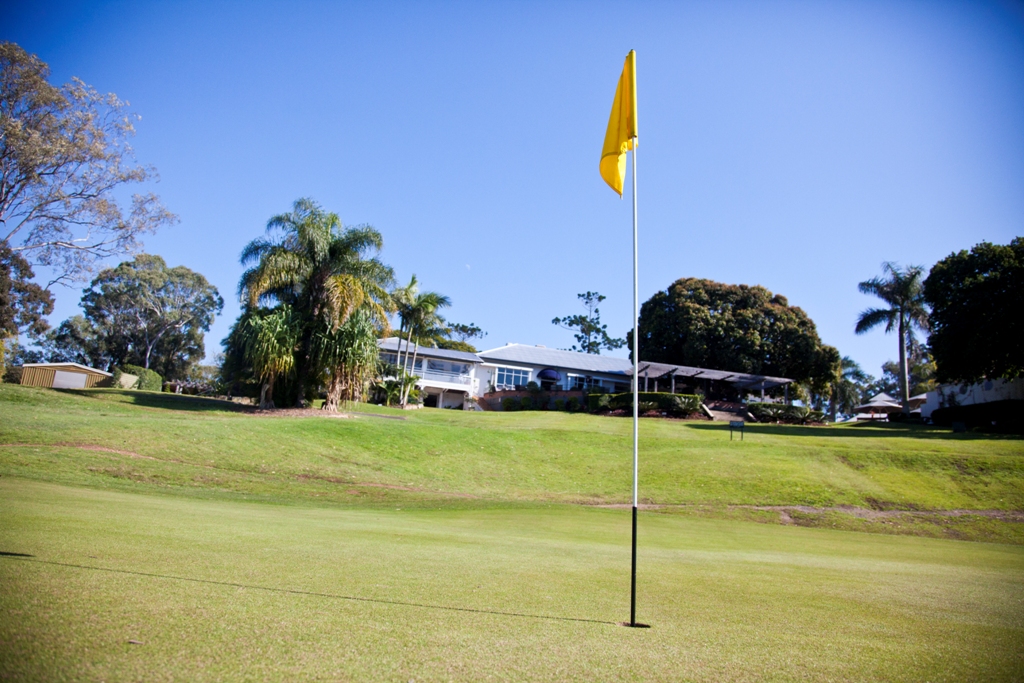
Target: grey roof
(557, 358)
(743, 379)
(392, 344)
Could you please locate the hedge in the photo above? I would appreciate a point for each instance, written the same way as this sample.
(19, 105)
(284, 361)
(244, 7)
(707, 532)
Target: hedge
(149, 380)
(673, 404)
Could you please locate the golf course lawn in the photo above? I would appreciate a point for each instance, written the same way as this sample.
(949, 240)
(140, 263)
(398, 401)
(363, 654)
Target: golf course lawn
(441, 545)
(218, 590)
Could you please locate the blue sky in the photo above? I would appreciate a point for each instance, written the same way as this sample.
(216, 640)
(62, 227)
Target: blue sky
(796, 145)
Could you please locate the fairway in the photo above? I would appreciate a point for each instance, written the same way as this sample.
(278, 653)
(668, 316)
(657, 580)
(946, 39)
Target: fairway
(217, 591)
(442, 545)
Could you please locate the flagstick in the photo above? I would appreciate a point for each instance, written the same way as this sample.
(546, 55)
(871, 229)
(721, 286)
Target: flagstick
(636, 396)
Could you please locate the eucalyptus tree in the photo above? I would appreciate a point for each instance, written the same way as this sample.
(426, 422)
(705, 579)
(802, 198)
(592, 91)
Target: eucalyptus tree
(902, 289)
(65, 161)
(323, 269)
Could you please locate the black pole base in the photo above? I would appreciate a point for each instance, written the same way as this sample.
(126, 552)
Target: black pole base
(635, 625)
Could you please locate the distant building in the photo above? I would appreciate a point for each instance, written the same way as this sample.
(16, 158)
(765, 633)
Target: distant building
(63, 376)
(447, 378)
(988, 391)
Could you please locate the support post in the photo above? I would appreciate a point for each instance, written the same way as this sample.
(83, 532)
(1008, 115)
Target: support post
(636, 395)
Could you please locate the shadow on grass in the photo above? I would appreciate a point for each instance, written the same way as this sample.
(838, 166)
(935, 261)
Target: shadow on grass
(864, 430)
(160, 400)
(292, 591)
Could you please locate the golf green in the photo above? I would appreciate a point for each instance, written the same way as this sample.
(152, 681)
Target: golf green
(227, 590)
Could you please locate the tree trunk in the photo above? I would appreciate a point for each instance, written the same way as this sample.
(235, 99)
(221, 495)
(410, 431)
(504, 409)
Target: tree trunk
(904, 388)
(333, 391)
(408, 389)
(267, 394)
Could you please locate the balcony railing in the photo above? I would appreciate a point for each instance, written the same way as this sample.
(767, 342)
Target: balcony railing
(442, 376)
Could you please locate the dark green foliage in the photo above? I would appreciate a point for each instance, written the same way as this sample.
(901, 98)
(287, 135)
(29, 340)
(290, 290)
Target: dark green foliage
(977, 325)
(733, 327)
(22, 302)
(527, 403)
(510, 404)
(148, 379)
(597, 402)
(572, 404)
(1005, 417)
(673, 404)
(783, 414)
(142, 313)
(559, 404)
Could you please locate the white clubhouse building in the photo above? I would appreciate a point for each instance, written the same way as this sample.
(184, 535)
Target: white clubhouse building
(457, 379)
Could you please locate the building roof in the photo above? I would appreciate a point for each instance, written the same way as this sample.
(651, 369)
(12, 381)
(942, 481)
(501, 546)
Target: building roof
(742, 379)
(588, 362)
(65, 365)
(393, 344)
(557, 358)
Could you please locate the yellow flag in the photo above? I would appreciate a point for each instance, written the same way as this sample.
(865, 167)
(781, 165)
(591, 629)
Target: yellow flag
(621, 127)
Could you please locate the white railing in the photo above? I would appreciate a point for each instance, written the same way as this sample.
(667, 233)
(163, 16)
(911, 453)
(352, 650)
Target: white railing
(442, 376)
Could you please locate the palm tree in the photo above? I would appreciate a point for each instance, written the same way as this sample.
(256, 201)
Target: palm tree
(268, 344)
(423, 319)
(403, 298)
(321, 268)
(847, 390)
(902, 290)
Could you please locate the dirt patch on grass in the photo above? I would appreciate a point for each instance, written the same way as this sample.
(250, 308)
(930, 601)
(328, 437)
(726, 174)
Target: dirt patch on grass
(82, 446)
(317, 412)
(392, 487)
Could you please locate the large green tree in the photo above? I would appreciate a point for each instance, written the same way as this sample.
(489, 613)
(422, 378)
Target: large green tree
(150, 315)
(23, 304)
(902, 291)
(977, 328)
(740, 328)
(324, 270)
(65, 161)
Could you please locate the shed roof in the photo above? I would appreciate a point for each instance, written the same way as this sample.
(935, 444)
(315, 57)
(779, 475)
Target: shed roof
(393, 344)
(70, 366)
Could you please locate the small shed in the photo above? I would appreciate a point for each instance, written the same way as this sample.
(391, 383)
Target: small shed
(63, 376)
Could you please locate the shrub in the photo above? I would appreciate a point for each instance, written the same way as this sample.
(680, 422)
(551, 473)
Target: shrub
(572, 404)
(532, 387)
(673, 404)
(597, 402)
(526, 403)
(148, 379)
(776, 412)
(510, 404)
(559, 404)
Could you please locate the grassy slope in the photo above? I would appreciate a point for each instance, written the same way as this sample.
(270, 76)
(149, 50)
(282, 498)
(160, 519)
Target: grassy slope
(447, 458)
(728, 601)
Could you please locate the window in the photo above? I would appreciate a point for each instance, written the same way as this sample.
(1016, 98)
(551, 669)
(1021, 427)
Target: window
(583, 382)
(509, 378)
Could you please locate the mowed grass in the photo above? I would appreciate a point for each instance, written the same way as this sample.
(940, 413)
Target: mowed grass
(450, 459)
(228, 590)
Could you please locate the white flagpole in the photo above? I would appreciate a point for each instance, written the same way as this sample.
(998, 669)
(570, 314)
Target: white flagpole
(636, 394)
